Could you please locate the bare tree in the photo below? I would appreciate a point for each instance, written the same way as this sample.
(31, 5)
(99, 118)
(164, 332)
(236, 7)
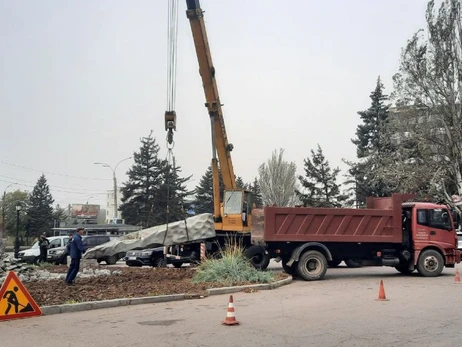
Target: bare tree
(278, 181)
(428, 93)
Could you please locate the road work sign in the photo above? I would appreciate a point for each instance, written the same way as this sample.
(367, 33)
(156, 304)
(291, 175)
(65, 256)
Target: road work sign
(15, 300)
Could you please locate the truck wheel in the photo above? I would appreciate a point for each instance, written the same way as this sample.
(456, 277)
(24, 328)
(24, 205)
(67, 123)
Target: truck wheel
(290, 270)
(112, 259)
(404, 269)
(312, 266)
(430, 264)
(257, 257)
(353, 262)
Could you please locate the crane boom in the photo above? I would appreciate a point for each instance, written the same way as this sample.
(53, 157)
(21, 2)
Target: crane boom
(234, 213)
(207, 72)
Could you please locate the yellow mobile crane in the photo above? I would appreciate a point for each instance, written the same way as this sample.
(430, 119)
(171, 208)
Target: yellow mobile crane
(232, 216)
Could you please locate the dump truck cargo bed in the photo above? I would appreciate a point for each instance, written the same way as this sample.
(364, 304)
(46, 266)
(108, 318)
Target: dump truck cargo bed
(379, 222)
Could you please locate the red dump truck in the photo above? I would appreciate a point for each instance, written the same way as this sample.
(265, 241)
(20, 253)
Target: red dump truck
(388, 232)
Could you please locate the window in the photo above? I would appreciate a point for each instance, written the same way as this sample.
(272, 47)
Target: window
(422, 217)
(435, 218)
(439, 218)
(233, 202)
(89, 241)
(55, 243)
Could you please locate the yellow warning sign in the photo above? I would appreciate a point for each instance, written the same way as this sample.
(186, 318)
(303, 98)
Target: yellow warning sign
(15, 300)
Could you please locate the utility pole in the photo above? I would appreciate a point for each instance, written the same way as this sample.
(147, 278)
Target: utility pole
(116, 212)
(114, 178)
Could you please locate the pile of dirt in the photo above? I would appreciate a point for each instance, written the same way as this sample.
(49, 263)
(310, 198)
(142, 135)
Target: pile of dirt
(129, 282)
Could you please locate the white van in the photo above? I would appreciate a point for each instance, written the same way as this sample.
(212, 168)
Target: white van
(32, 255)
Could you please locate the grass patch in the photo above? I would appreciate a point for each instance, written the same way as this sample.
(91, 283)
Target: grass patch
(70, 302)
(232, 268)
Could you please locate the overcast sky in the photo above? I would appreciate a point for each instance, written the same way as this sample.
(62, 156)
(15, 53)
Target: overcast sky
(83, 81)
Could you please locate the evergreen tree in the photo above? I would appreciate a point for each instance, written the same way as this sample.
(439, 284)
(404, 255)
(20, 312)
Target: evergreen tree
(370, 146)
(173, 193)
(204, 193)
(40, 210)
(368, 139)
(59, 214)
(144, 195)
(240, 183)
(255, 189)
(320, 182)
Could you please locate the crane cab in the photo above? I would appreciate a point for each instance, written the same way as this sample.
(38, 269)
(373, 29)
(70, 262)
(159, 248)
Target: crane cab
(236, 211)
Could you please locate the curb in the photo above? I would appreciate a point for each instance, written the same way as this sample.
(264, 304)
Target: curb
(93, 305)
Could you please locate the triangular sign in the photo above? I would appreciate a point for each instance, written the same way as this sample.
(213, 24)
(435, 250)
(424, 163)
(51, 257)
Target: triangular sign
(15, 300)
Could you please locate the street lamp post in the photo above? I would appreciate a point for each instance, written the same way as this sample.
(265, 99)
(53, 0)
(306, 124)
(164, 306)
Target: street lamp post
(3, 209)
(114, 178)
(16, 241)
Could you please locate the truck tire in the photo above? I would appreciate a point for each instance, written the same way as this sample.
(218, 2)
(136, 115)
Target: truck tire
(430, 264)
(312, 266)
(290, 270)
(353, 262)
(257, 257)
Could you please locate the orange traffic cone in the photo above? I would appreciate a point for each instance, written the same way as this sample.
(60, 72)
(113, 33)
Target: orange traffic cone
(457, 278)
(230, 318)
(382, 296)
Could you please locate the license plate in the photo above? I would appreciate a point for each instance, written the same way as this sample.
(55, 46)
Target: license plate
(131, 258)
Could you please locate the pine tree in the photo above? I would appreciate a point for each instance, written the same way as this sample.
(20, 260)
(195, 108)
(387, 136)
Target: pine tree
(40, 210)
(240, 182)
(255, 189)
(368, 139)
(320, 182)
(204, 193)
(173, 193)
(370, 146)
(59, 214)
(144, 197)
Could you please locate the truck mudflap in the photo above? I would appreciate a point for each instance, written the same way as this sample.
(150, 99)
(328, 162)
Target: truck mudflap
(451, 257)
(456, 257)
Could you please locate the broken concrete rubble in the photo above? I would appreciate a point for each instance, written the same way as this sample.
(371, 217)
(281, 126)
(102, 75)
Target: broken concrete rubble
(195, 228)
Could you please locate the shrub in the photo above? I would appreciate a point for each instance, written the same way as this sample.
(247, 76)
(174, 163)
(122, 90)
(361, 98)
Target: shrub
(230, 269)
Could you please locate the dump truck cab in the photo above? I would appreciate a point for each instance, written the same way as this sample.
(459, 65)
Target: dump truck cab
(430, 227)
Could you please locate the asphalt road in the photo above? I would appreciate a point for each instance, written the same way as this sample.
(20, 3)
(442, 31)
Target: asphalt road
(338, 311)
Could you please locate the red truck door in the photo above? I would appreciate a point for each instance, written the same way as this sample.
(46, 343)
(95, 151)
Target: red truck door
(434, 226)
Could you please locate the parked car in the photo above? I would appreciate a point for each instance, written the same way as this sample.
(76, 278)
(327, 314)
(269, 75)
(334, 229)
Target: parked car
(459, 241)
(32, 255)
(59, 255)
(150, 257)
